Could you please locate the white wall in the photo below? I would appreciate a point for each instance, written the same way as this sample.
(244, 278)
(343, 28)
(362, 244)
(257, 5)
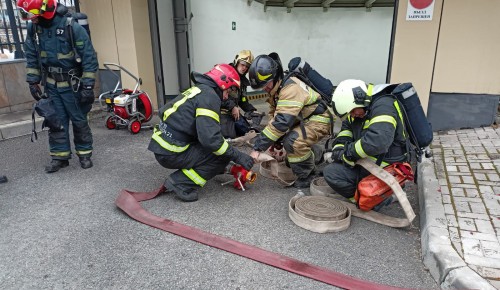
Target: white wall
(341, 43)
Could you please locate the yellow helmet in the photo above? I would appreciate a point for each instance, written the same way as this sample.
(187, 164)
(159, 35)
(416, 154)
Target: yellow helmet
(245, 56)
(348, 95)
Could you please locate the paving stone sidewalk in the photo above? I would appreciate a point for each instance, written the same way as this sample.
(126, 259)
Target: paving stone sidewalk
(466, 166)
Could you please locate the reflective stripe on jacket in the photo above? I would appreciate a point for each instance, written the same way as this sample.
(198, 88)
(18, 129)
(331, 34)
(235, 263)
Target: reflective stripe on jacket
(295, 101)
(380, 133)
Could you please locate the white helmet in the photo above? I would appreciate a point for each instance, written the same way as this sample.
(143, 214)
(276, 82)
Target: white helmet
(348, 95)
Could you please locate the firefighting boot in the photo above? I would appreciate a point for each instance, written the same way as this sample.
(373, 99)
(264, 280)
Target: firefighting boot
(85, 162)
(3, 179)
(55, 165)
(179, 193)
(304, 182)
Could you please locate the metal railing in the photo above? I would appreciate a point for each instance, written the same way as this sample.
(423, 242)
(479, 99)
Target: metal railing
(13, 29)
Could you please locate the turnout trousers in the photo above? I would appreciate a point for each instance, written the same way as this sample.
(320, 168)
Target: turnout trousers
(304, 154)
(195, 167)
(68, 108)
(344, 179)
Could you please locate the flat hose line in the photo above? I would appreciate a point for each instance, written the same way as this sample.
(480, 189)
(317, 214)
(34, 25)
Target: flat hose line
(129, 202)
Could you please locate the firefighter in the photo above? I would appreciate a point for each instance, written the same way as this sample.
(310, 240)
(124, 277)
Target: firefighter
(189, 137)
(65, 64)
(299, 120)
(232, 123)
(373, 128)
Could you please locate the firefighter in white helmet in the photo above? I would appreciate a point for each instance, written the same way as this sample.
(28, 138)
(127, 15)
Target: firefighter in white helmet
(373, 128)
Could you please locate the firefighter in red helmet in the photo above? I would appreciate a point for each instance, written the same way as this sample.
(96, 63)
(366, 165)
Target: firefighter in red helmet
(189, 137)
(61, 60)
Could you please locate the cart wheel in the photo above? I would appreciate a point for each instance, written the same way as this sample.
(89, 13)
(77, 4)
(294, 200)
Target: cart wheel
(134, 127)
(110, 123)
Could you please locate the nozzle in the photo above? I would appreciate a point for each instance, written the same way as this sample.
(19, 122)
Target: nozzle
(251, 176)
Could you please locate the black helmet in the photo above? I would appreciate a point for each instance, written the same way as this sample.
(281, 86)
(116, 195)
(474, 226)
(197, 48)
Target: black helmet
(264, 69)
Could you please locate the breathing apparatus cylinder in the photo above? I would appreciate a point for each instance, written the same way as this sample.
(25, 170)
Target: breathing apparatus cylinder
(82, 19)
(418, 125)
(321, 83)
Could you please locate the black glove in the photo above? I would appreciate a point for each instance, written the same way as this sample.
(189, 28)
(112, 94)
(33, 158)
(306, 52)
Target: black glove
(337, 154)
(244, 160)
(87, 95)
(35, 91)
(248, 115)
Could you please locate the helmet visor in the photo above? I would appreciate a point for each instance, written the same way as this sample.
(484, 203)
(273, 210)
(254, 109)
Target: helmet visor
(341, 116)
(244, 62)
(28, 15)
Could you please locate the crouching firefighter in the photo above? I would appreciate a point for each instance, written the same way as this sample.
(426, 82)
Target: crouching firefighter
(189, 137)
(300, 120)
(60, 57)
(373, 128)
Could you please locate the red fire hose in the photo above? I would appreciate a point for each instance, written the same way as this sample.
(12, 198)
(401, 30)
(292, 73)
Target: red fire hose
(129, 202)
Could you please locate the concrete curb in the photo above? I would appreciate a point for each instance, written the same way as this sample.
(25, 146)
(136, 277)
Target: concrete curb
(444, 263)
(23, 128)
(19, 129)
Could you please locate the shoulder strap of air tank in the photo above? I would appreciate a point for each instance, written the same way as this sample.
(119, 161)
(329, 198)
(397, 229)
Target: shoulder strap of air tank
(69, 31)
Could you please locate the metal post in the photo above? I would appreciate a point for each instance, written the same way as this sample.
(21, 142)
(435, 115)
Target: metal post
(18, 53)
(77, 5)
(7, 34)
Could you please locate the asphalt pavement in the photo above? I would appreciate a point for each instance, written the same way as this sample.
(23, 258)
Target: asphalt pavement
(63, 231)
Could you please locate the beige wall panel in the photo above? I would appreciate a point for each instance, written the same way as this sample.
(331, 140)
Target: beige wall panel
(127, 54)
(14, 75)
(4, 98)
(102, 29)
(144, 48)
(468, 55)
(414, 50)
(121, 34)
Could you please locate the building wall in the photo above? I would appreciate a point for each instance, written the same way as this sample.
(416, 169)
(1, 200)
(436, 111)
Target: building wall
(121, 34)
(414, 50)
(452, 60)
(468, 58)
(341, 43)
(14, 92)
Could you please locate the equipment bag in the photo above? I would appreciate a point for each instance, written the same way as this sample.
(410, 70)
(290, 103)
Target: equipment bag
(45, 108)
(372, 191)
(303, 71)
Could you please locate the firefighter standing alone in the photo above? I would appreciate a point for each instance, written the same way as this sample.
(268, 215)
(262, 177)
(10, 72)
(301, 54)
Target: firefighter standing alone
(65, 63)
(189, 137)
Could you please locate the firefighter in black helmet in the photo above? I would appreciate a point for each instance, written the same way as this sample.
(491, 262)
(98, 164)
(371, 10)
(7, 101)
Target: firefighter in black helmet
(299, 119)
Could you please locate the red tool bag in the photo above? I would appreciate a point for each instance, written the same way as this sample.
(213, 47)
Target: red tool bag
(371, 190)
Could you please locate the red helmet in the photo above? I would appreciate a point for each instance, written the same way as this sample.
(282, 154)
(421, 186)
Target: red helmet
(30, 9)
(225, 76)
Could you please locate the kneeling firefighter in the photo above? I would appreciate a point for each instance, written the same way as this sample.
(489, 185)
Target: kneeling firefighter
(300, 119)
(374, 128)
(60, 57)
(189, 137)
